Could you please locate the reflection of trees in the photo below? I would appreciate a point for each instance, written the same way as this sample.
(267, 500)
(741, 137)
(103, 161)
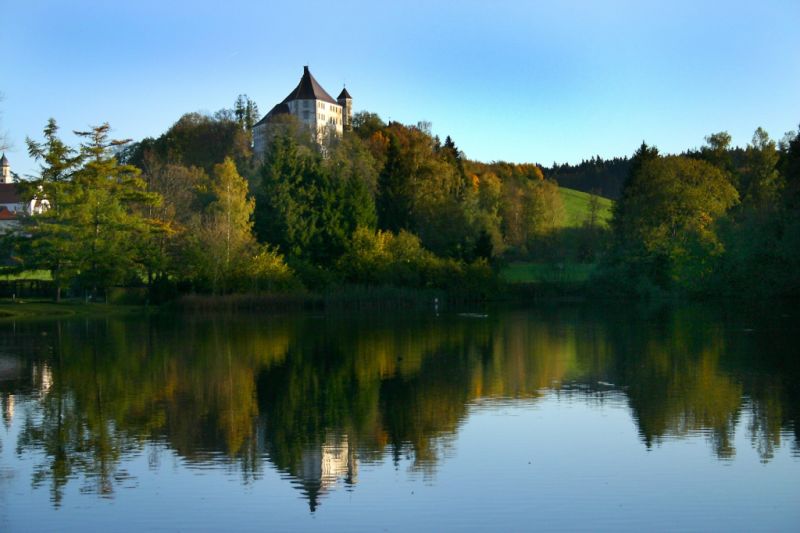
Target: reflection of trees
(317, 396)
(687, 372)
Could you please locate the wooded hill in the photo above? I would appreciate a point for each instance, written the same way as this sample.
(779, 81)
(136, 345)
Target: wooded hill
(391, 204)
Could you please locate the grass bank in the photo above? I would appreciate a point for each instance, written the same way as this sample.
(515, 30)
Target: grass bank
(24, 308)
(28, 275)
(347, 298)
(557, 272)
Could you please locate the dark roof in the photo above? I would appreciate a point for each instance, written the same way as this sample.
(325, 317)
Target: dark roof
(9, 194)
(309, 89)
(4, 160)
(5, 214)
(280, 109)
(344, 94)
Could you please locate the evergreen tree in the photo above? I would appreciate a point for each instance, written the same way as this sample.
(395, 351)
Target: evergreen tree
(621, 222)
(394, 191)
(93, 219)
(51, 246)
(284, 215)
(104, 212)
(791, 171)
(246, 112)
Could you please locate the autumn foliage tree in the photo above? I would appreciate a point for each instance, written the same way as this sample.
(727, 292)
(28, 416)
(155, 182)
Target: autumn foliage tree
(665, 222)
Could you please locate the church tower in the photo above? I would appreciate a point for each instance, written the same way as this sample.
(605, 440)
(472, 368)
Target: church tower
(5, 171)
(346, 101)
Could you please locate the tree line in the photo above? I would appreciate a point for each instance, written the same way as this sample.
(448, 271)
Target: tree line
(195, 210)
(716, 220)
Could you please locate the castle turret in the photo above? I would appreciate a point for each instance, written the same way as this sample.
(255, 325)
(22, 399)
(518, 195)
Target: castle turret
(5, 170)
(346, 101)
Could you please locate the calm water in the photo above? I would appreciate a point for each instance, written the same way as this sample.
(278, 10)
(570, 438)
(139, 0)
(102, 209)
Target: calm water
(557, 418)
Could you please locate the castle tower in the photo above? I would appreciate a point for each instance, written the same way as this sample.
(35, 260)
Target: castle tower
(346, 101)
(5, 170)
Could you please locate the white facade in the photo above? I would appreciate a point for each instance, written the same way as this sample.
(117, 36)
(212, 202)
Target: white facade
(318, 115)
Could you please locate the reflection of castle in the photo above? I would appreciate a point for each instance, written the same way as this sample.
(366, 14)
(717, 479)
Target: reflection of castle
(321, 467)
(13, 372)
(7, 401)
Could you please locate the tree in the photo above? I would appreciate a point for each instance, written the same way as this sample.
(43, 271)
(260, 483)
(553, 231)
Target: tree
(284, 215)
(530, 209)
(105, 212)
(225, 238)
(51, 246)
(198, 140)
(664, 223)
(246, 112)
(717, 152)
(365, 124)
(621, 221)
(762, 239)
(95, 216)
(351, 163)
(394, 190)
(791, 170)
(761, 182)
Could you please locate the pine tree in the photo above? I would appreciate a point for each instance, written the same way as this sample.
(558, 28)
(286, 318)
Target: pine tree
(51, 246)
(104, 213)
(394, 193)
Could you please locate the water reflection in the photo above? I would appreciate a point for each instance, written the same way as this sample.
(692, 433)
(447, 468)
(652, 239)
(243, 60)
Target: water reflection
(315, 396)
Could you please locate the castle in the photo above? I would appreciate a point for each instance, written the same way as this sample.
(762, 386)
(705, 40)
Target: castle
(313, 107)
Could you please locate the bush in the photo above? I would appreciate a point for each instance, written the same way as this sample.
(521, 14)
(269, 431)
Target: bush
(388, 259)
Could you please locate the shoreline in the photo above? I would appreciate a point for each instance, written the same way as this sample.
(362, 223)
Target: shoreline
(37, 308)
(366, 300)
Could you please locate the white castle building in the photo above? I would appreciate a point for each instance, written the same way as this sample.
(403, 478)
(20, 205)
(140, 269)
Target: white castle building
(314, 108)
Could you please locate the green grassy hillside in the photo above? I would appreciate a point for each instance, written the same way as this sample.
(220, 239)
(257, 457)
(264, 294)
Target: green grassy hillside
(576, 205)
(568, 269)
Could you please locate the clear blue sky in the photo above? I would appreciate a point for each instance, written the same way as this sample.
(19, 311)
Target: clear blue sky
(518, 81)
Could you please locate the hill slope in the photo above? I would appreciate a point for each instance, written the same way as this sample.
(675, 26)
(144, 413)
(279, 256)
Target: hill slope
(576, 206)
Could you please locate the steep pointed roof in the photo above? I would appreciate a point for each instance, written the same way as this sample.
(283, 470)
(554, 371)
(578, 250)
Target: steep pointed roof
(4, 161)
(344, 94)
(279, 109)
(309, 89)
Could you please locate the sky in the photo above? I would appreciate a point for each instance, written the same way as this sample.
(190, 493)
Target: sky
(522, 81)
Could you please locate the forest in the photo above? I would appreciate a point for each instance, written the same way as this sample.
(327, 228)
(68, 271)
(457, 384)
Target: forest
(195, 211)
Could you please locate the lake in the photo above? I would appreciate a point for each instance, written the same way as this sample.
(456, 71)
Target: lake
(555, 417)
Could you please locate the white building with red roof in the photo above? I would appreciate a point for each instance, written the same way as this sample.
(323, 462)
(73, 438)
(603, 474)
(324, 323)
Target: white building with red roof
(12, 205)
